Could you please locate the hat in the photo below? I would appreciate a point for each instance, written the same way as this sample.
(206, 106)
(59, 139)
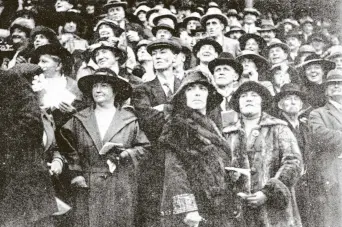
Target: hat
(337, 52)
(291, 21)
(244, 38)
(267, 25)
(251, 11)
(306, 20)
(55, 50)
(116, 29)
(214, 98)
(213, 5)
(23, 24)
(319, 37)
(167, 26)
(121, 86)
(226, 59)
(334, 76)
(141, 7)
(114, 3)
(165, 13)
(290, 89)
(193, 16)
(152, 11)
(207, 41)
(199, 10)
(295, 33)
(316, 59)
(164, 43)
(259, 60)
(277, 43)
(251, 86)
(185, 47)
(47, 32)
(71, 16)
(232, 12)
(290, 70)
(141, 43)
(235, 28)
(214, 13)
(306, 49)
(120, 51)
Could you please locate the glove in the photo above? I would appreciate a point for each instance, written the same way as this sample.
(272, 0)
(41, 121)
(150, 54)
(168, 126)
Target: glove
(192, 219)
(56, 167)
(79, 181)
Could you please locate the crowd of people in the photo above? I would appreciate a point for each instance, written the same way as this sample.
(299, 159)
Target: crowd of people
(160, 116)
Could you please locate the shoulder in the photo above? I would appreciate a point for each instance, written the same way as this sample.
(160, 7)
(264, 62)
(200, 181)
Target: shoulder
(231, 41)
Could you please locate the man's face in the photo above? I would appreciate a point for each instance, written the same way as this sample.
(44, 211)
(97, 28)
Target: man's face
(338, 62)
(287, 27)
(249, 18)
(70, 27)
(207, 53)
(18, 36)
(250, 103)
(293, 42)
(63, 6)
(334, 90)
(224, 75)
(214, 27)
(196, 96)
(105, 58)
(116, 13)
(180, 59)
(281, 78)
(103, 93)
(163, 34)
(191, 25)
(314, 73)
(252, 45)
(163, 58)
(307, 28)
(277, 55)
(267, 35)
(291, 104)
(143, 55)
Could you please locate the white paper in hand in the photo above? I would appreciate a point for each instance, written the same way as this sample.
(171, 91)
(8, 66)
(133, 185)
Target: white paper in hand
(108, 146)
(111, 166)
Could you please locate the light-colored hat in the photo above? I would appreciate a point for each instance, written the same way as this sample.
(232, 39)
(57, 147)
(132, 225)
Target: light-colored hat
(214, 13)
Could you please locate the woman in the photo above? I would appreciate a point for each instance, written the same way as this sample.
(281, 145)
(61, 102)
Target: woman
(252, 42)
(145, 60)
(103, 146)
(196, 186)
(313, 72)
(41, 35)
(268, 150)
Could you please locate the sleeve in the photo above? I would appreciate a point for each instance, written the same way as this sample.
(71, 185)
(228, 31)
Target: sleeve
(323, 135)
(291, 167)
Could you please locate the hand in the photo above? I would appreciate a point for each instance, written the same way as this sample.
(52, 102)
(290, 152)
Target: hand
(192, 219)
(133, 36)
(79, 181)
(66, 108)
(20, 60)
(124, 155)
(56, 167)
(39, 83)
(257, 199)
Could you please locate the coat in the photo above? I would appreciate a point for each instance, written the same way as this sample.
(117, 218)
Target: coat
(26, 191)
(231, 46)
(145, 97)
(195, 179)
(325, 182)
(110, 199)
(272, 154)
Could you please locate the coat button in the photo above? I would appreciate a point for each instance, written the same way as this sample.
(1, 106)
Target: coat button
(255, 133)
(162, 213)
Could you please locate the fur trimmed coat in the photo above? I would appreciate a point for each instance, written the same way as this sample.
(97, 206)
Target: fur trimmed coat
(272, 154)
(195, 179)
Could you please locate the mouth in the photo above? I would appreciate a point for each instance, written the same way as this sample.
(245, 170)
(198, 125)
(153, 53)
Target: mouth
(102, 61)
(206, 54)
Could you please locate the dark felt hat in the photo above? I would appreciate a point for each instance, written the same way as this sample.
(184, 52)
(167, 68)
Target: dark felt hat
(207, 41)
(164, 43)
(118, 50)
(116, 29)
(290, 89)
(277, 43)
(164, 26)
(244, 38)
(316, 59)
(259, 60)
(114, 3)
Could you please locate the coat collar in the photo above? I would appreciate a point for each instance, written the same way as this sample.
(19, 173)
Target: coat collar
(121, 118)
(334, 112)
(266, 121)
(158, 90)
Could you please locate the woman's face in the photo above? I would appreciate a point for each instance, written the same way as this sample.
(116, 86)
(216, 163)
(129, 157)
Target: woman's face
(338, 62)
(191, 25)
(70, 27)
(105, 31)
(252, 45)
(163, 34)
(314, 73)
(248, 65)
(142, 16)
(40, 40)
(50, 65)
(103, 93)
(250, 103)
(105, 58)
(143, 55)
(196, 97)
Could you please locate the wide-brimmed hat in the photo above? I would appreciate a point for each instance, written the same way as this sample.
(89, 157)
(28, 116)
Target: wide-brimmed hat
(232, 12)
(214, 13)
(336, 52)
(121, 87)
(267, 25)
(114, 3)
(244, 38)
(235, 28)
(118, 50)
(214, 98)
(152, 11)
(54, 50)
(116, 29)
(306, 20)
(164, 43)
(207, 41)
(251, 86)
(185, 47)
(277, 43)
(166, 26)
(319, 37)
(251, 11)
(23, 24)
(193, 16)
(295, 33)
(334, 76)
(141, 8)
(226, 59)
(47, 32)
(260, 61)
(316, 59)
(290, 89)
(165, 14)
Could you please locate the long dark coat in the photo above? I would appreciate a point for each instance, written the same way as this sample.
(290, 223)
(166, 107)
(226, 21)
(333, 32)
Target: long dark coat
(26, 192)
(110, 199)
(325, 179)
(272, 154)
(195, 178)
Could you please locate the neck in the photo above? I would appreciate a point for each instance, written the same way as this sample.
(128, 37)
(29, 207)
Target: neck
(337, 99)
(204, 65)
(115, 68)
(165, 74)
(226, 89)
(219, 38)
(54, 75)
(179, 69)
(148, 65)
(105, 106)
(251, 118)
(292, 118)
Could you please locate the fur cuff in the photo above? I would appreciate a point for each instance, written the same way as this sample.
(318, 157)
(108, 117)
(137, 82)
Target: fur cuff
(184, 203)
(278, 194)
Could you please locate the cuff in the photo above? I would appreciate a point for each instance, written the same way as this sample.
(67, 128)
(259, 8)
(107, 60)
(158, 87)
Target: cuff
(184, 203)
(277, 193)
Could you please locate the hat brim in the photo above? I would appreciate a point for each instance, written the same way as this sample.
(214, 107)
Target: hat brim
(327, 64)
(225, 61)
(169, 16)
(221, 17)
(335, 55)
(154, 46)
(156, 28)
(106, 7)
(203, 42)
(187, 19)
(121, 53)
(260, 61)
(282, 94)
(150, 12)
(251, 86)
(257, 14)
(122, 88)
(227, 34)
(244, 38)
(283, 46)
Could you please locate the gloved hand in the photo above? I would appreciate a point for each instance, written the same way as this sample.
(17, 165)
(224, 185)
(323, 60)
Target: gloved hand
(56, 167)
(192, 219)
(79, 181)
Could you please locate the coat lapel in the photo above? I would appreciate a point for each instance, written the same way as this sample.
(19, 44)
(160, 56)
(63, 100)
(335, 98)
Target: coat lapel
(334, 112)
(157, 91)
(49, 130)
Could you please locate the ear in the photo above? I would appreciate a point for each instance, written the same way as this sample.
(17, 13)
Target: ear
(222, 26)
(59, 67)
(280, 105)
(235, 76)
(174, 58)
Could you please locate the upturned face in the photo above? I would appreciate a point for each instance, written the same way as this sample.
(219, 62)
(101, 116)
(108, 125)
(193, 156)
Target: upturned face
(18, 36)
(207, 53)
(293, 42)
(105, 31)
(143, 55)
(291, 104)
(40, 40)
(191, 25)
(314, 73)
(142, 16)
(103, 93)
(224, 75)
(277, 55)
(250, 104)
(252, 45)
(334, 90)
(70, 27)
(196, 97)
(163, 34)
(63, 6)
(163, 58)
(267, 35)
